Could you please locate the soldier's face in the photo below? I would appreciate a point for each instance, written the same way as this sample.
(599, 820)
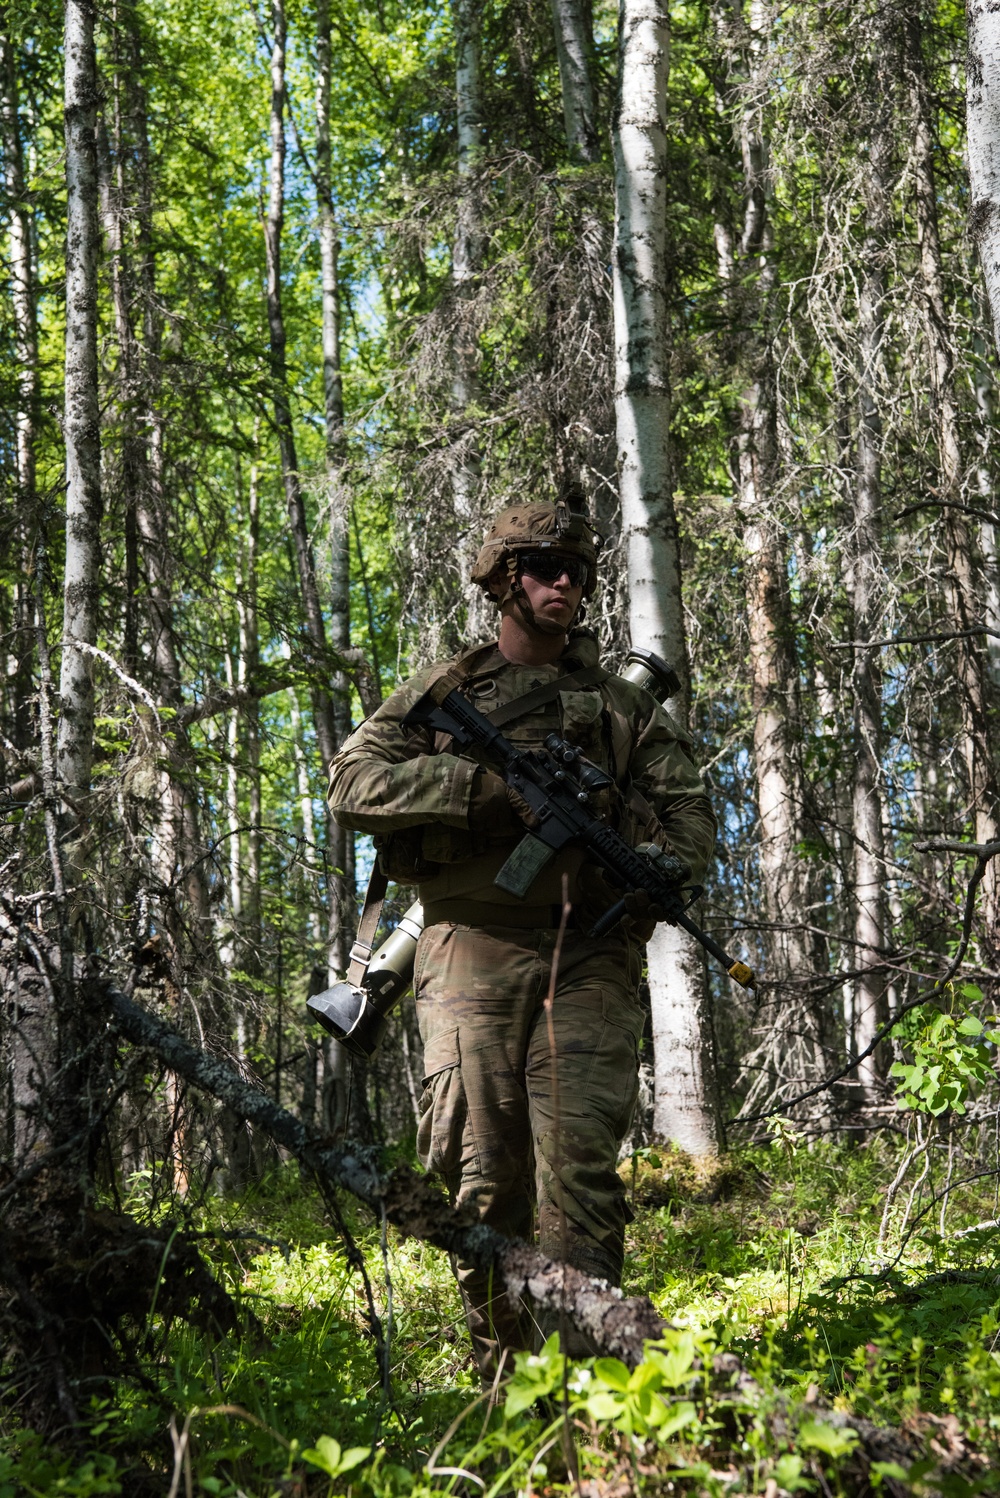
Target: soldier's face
(555, 602)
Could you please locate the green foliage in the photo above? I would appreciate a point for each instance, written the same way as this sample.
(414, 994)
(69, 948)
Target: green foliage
(779, 1272)
(952, 1056)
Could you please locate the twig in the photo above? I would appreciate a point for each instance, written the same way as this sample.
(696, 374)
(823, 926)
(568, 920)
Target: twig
(957, 634)
(417, 1207)
(983, 853)
(564, 915)
(120, 672)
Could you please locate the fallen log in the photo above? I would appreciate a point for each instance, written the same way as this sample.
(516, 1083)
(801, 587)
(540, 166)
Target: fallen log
(616, 1326)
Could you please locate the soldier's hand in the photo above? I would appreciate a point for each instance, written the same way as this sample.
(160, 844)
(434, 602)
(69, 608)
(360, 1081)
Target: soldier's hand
(643, 909)
(490, 808)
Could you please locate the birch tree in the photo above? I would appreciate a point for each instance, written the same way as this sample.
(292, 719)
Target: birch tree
(574, 45)
(22, 277)
(341, 842)
(983, 122)
(82, 410)
(964, 585)
(683, 1109)
(865, 564)
(291, 477)
(466, 263)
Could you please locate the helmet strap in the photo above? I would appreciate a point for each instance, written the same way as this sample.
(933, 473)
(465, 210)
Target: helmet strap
(516, 594)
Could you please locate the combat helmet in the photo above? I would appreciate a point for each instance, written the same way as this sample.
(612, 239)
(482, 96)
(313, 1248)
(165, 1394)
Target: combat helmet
(538, 526)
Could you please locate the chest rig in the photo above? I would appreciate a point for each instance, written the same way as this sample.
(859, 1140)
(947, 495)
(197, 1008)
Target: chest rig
(356, 1011)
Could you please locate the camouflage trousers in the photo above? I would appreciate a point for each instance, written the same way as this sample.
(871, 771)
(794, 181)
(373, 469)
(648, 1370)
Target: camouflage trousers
(515, 1125)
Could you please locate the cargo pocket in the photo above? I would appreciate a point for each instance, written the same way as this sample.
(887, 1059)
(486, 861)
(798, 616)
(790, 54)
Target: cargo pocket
(443, 1108)
(619, 1064)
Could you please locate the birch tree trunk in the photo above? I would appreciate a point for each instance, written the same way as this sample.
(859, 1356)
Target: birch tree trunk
(966, 591)
(26, 355)
(342, 894)
(865, 566)
(126, 199)
(273, 225)
(684, 1086)
(75, 743)
(983, 120)
(749, 271)
(574, 45)
(466, 264)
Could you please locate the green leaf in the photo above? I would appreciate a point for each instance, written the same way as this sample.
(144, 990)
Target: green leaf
(613, 1373)
(603, 1405)
(833, 1442)
(521, 1395)
(881, 1470)
(675, 1364)
(787, 1473)
(971, 1026)
(679, 1416)
(325, 1455)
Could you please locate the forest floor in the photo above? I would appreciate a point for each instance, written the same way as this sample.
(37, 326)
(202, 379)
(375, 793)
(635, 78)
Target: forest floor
(868, 1366)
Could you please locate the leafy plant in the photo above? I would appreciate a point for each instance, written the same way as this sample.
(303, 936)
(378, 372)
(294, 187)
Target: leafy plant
(952, 1056)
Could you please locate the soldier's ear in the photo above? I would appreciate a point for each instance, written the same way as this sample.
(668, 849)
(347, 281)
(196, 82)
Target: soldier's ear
(498, 583)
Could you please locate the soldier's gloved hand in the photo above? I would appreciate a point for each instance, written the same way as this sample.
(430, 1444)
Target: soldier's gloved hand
(490, 808)
(643, 909)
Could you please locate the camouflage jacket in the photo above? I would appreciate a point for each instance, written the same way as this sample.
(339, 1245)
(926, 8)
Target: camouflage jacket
(411, 790)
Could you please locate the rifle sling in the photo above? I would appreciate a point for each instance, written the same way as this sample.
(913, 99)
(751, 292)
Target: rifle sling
(361, 952)
(587, 676)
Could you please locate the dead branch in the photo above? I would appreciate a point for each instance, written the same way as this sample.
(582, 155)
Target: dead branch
(414, 1204)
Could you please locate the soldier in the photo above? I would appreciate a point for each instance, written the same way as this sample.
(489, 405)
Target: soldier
(508, 1125)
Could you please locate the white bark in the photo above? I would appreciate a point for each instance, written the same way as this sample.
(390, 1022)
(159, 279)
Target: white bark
(466, 263)
(682, 1108)
(963, 584)
(22, 280)
(865, 569)
(573, 47)
(82, 412)
(983, 115)
(342, 894)
(26, 355)
(273, 226)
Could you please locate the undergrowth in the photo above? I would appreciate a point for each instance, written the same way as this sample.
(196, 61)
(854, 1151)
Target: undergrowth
(773, 1256)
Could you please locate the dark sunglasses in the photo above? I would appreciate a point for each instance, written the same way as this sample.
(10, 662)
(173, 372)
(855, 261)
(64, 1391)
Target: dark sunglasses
(549, 566)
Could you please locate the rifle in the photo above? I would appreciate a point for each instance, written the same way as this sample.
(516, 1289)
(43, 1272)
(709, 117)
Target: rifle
(356, 1011)
(556, 783)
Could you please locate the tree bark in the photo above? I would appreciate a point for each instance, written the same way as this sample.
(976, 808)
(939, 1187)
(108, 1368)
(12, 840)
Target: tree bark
(750, 274)
(341, 845)
(466, 264)
(126, 199)
(22, 278)
(864, 554)
(273, 225)
(574, 45)
(683, 1107)
(75, 742)
(964, 589)
(983, 120)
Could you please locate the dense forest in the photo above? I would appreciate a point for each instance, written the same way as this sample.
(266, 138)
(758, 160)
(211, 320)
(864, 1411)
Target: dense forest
(296, 298)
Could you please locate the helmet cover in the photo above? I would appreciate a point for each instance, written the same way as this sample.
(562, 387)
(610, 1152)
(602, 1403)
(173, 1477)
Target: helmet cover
(539, 526)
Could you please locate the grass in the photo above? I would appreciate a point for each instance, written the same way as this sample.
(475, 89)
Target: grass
(772, 1255)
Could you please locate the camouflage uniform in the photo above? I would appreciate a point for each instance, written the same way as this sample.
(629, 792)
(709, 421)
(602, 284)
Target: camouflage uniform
(510, 1124)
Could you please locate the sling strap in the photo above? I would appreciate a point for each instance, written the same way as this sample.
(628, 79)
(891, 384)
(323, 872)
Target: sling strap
(587, 676)
(460, 671)
(361, 952)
